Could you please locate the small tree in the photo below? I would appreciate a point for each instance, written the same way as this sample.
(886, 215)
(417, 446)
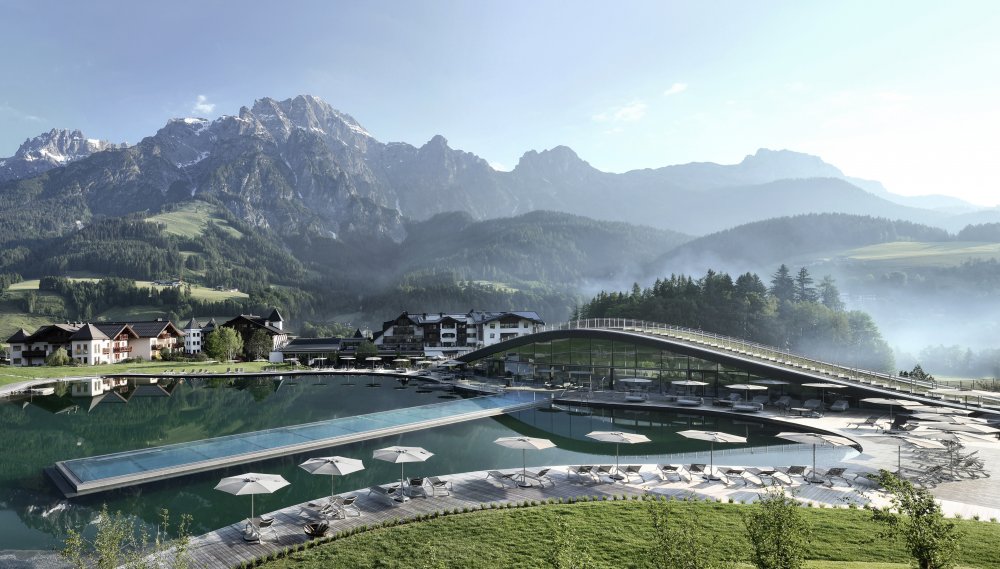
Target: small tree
(258, 346)
(367, 349)
(777, 532)
(677, 544)
(59, 357)
(915, 516)
(223, 343)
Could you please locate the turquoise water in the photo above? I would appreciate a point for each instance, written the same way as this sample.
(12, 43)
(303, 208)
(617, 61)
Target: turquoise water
(39, 431)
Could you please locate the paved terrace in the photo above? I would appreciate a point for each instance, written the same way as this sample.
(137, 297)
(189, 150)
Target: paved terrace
(971, 497)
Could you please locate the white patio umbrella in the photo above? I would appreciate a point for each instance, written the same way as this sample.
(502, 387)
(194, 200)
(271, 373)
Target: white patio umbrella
(525, 444)
(816, 439)
(618, 438)
(886, 401)
(976, 428)
(921, 408)
(688, 383)
(900, 440)
(951, 436)
(746, 388)
(956, 419)
(712, 437)
(332, 466)
(401, 455)
(251, 483)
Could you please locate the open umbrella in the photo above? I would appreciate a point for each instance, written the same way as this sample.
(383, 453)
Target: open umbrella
(976, 428)
(921, 408)
(618, 437)
(815, 439)
(900, 440)
(251, 483)
(525, 444)
(688, 383)
(712, 437)
(332, 466)
(956, 419)
(746, 388)
(886, 401)
(401, 455)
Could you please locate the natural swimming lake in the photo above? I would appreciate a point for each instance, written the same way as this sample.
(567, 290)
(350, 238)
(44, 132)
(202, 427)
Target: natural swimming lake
(38, 431)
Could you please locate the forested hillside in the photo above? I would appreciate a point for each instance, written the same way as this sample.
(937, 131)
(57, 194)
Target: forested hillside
(792, 312)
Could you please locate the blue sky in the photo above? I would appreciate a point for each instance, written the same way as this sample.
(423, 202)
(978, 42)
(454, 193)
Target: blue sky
(903, 92)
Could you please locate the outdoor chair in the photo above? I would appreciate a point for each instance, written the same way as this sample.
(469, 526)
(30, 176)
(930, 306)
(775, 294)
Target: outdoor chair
(500, 477)
(796, 470)
(320, 510)
(689, 401)
(747, 407)
(814, 404)
(439, 485)
(783, 402)
(584, 471)
(416, 487)
(777, 477)
(871, 421)
(317, 529)
(383, 493)
(698, 470)
(667, 471)
(541, 477)
(345, 505)
(750, 477)
(605, 470)
(633, 470)
(833, 473)
(762, 399)
(840, 405)
(265, 524)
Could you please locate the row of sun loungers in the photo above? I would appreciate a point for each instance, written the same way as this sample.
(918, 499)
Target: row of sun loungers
(760, 477)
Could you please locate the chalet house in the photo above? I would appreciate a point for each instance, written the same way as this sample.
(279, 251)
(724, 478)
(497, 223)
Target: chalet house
(92, 344)
(453, 334)
(247, 324)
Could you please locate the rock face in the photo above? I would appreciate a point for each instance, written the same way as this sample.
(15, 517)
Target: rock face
(48, 150)
(300, 167)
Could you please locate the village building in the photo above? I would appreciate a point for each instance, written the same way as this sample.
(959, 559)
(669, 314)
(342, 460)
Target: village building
(452, 334)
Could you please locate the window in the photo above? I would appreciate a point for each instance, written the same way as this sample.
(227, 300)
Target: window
(493, 335)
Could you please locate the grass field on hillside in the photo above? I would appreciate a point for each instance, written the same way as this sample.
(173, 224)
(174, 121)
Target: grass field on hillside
(903, 254)
(197, 291)
(614, 535)
(190, 220)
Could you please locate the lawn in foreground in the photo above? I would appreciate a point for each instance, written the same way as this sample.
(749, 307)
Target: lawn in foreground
(615, 535)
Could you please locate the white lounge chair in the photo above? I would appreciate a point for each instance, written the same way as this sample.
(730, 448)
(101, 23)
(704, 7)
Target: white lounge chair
(501, 477)
(383, 493)
(439, 485)
(541, 477)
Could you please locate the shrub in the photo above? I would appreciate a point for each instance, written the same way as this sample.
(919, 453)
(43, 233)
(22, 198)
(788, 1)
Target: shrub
(777, 532)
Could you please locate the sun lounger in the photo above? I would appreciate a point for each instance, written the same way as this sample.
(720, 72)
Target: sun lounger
(871, 421)
(322, 509)
(669, 471)
(828, 477)
(500, 477)
(783, 402)
(813, 404)
(747, 407)
(384, 494)
(762, 399)
(689, 401)
(439, 486)
(605, 470)
(840, 405)
(632, 470)
(581, 472)
(263, 524)
(541, 477)
(700, 470)
(796, 470)
(750, 477)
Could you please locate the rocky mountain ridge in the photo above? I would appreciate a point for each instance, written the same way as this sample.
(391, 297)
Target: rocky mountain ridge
(300, 167)
(48, 150)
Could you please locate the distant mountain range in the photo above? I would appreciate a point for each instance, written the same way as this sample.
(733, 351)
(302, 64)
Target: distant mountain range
(300, 167)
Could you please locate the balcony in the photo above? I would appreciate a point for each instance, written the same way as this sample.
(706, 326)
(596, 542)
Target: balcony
(33, 354)
(122, 349)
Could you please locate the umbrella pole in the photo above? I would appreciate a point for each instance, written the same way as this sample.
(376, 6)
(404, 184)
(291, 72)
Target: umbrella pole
(616, 459)
(813, 477)
(251, 506)
(524, 466)
(401, 464)
(711, 458)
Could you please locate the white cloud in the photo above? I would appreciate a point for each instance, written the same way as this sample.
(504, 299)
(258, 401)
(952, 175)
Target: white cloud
(627, 113)
(6, 109)
(675, 88)
(202, 106)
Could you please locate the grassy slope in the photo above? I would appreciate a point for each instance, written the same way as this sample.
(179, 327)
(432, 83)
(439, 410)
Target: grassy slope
(615, 535)
(190, 220)
(904, 254)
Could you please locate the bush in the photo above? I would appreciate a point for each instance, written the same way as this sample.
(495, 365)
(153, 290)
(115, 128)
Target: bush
(777, 532)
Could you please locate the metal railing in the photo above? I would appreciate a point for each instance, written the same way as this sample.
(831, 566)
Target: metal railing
(760, 352)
